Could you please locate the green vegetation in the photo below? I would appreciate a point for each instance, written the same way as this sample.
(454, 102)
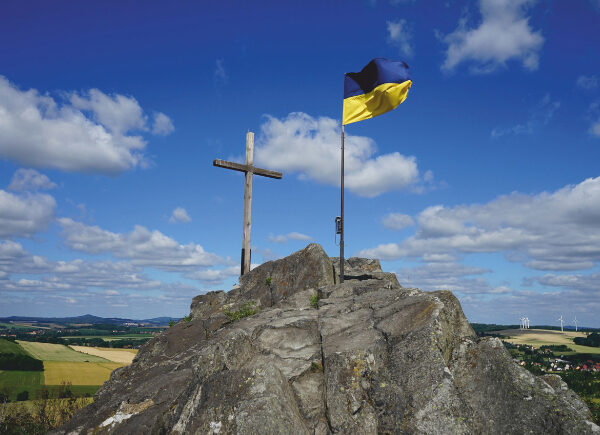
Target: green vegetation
(14, 382)
(314, 300)
(556, 347)
(50, 410)
(188, 318)
(14, 357)
(592, 340)
(268, 280)
(245, 310)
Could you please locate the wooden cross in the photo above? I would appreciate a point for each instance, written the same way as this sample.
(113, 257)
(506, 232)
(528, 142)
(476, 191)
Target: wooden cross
(248, 169)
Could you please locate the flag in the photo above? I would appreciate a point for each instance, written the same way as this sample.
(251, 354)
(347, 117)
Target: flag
(380, 87)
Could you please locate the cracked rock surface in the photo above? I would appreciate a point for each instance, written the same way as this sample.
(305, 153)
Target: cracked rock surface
(372, 357)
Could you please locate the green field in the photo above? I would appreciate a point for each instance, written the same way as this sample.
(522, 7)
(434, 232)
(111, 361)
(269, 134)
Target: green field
(541, 337)
(11, 347)
(14, 381)
(57, 352)
(16, 326)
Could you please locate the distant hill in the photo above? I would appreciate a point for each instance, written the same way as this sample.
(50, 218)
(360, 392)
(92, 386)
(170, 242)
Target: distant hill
(89, 318)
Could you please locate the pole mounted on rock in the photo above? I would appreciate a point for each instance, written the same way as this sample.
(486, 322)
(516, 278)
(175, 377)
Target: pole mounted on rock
(248, 169)
(379, 87)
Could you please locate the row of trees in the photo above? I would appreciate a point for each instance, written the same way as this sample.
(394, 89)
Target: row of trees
(591, 340)
(11, 361)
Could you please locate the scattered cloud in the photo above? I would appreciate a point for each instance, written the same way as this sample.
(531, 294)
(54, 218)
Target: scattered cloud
(448, 275)
(400, 35)
(88, 132)
(284, 238)
(179, 215)
(540, 115)
(141, 246)
(594, 114)
(587, 82)
(310, 147)
(397, 221)
(548, 231)
(220, 75)
(162, 124)
(504, 33)
(214, 276)
(25, 214)
(30, 180)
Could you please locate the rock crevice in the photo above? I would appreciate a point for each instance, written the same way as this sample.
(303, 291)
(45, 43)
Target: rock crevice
(372, 357)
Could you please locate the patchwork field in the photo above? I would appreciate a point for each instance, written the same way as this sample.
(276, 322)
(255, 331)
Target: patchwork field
(57, 352)
(541, 337)
(124, 356)
(78, 373)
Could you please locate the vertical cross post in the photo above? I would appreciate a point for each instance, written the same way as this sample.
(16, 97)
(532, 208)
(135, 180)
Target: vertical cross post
(246, 254)
(249, 170)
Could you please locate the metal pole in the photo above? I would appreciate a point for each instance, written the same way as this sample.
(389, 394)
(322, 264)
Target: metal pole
(342, 215)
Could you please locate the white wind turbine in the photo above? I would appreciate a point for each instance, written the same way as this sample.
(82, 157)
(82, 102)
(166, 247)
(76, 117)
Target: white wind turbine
(526, 322)
(575, 320)
(522, 323)
(561, 323)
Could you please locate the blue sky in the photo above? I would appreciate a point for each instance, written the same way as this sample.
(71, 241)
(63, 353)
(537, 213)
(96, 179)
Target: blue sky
(484, 181)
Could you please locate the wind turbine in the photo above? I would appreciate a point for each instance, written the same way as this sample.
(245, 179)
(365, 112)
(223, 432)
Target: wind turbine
(575, 320)
(522, 324)
(526, 322)
(561, 323)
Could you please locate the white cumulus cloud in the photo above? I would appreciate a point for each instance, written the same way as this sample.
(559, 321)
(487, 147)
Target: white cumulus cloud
(549, 231)
(504, 33)
(30, 180)
(162, 124)
(587, 82)
(89, 132)
(180, 215)
(397, 221)
(140, 246)
(400, 35)
(310, 147)
(25, 214)
(283, 238)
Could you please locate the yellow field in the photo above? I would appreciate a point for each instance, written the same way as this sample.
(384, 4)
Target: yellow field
(78, 373)
(124, 356)
(541, 337)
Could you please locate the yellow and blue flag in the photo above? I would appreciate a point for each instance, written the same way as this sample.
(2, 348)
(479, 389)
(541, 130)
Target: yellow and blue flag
(380, 87)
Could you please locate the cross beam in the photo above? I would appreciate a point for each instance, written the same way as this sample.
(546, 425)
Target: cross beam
(248, 169)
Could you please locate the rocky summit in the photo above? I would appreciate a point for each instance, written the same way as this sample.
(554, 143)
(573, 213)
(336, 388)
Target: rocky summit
(292, 351)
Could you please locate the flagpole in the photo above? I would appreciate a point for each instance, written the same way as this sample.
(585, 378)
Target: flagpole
(342, 214)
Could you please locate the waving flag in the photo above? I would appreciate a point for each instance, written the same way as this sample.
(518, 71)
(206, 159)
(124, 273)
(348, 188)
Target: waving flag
(380, 87)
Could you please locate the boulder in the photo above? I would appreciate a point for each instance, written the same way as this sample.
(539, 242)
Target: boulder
(367, 357)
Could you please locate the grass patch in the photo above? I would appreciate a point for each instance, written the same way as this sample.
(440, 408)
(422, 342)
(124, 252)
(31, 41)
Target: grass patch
(14, 382)
(314, 300)
(78, 373)
(57, 352)
(245, 310)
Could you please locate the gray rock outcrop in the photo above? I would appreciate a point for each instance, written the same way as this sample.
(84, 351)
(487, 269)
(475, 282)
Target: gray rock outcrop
(371, 357)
